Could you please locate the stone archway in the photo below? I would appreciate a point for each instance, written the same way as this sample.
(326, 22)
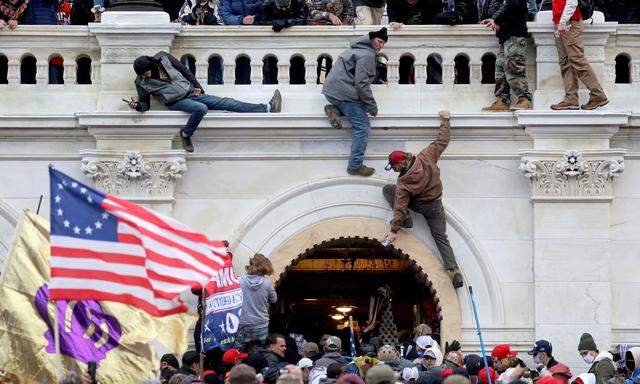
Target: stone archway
(414, 249)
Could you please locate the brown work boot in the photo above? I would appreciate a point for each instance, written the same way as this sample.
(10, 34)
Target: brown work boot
(497, 106)
(564, 105)
(593, 104)
(523, 103)
(362, 171)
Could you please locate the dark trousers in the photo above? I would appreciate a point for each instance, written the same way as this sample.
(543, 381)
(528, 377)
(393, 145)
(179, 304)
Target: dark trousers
(433, 212)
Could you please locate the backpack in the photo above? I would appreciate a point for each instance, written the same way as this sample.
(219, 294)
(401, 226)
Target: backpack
(586, 8)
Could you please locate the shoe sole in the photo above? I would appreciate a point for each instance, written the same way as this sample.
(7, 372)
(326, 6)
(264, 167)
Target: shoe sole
(602, 104)
(520, 109)
(571, 108)
(332, 114)
(276, 102)
(359, 174)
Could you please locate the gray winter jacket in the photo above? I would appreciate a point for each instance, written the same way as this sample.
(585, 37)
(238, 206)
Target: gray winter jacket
(257, 294)
(352, 73)
(182, 83)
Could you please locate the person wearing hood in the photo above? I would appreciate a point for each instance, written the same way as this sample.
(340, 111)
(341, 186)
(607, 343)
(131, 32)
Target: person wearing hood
(632, 359)
(348, 90)
(257, 292)
(602, 365)
(585, 378)
(419, 188)
(167, 79)
(541, 353)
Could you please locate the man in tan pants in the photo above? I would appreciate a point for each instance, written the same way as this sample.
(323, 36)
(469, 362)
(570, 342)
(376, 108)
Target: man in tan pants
(573, 63)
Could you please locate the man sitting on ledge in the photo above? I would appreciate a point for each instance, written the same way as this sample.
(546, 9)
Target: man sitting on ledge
(419, 187)
(164, 77)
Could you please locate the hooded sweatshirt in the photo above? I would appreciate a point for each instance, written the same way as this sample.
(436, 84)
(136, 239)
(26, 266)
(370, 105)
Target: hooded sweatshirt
(258, 293)
(351, 75)
(635, 375)
(603, 367)
(422, 180)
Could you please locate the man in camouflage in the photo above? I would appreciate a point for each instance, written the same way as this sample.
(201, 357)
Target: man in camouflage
(510, 24)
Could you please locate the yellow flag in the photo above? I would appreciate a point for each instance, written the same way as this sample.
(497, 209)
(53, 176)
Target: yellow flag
(117, 336)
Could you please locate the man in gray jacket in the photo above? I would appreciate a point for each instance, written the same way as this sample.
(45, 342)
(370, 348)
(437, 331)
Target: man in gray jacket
(167, 79)
(348, 89)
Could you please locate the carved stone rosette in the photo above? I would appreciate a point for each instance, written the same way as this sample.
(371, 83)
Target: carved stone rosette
(572, 176)
(133, 174)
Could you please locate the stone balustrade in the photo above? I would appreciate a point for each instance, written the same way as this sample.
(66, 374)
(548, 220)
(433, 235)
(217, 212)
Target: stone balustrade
(427, 67)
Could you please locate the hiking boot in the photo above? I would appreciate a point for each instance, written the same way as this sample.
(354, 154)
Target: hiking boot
(333, 114)
(186, 143)
(456, 277)
(593, 104)
(408, 221)
(523, 103)
(497, 106)
(362, 171)
(564, 105)
(275, 104)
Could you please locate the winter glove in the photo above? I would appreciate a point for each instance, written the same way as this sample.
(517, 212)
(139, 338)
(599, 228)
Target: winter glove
(279, 25)
(454, 346)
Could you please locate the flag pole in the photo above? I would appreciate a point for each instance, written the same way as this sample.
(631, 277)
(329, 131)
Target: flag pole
(202, 312)
(56, 340)
(484, 353)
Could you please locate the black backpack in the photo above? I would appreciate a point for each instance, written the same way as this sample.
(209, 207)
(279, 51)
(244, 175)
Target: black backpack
(586, 8)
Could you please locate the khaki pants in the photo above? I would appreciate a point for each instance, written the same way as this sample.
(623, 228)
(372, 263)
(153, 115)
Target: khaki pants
(574, 65)
(368, 15)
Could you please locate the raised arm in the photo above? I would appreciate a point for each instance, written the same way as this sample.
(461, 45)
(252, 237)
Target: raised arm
(437, 146)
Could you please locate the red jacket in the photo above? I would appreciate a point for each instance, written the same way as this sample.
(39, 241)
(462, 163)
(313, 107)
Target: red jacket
(558, 8)
(559, 371)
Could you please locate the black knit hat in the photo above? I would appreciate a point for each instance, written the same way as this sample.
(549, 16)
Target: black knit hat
(381, 34)
(142, 64)
(587, 343)
(170, 359)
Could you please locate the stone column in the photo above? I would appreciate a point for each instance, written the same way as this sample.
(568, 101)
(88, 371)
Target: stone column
(134, 158)
(123, 36)
(549, 86)
(572, 168)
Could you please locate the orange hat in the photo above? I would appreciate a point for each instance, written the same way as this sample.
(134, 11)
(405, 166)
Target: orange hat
(502, 351)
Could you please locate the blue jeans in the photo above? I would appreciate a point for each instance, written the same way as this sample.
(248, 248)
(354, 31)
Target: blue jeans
(198, 106)
(360, 127)
(247, 334)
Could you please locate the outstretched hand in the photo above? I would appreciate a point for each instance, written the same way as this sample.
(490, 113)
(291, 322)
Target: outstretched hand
(454, 346)
(445, 115)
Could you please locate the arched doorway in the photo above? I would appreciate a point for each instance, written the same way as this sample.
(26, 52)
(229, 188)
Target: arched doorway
(318, 287)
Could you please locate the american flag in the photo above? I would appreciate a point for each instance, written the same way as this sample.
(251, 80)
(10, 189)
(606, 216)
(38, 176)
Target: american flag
(352, 338)
(106, 248)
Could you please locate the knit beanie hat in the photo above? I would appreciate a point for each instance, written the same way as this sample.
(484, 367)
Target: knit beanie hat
(381, 34)
(388, 353)
(380, 374)
(142, 64)
(587, 343)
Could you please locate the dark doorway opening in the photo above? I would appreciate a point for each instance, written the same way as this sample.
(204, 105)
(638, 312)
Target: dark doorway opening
(345, 273)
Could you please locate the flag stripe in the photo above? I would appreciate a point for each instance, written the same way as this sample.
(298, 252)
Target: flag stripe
(218, 247)
(92, 294)
(104, 256)
(97, 245)
(169, 237)
(144, 294)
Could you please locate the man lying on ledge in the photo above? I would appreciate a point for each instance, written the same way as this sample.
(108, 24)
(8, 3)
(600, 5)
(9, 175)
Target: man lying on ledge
(167, 79)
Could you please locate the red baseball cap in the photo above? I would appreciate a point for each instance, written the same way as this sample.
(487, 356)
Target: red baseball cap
(232, 355)
(394, 158)
(482, 376)
(502, 351)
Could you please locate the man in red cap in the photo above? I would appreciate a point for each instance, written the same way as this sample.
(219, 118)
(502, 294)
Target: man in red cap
(507, 364)
(419, 187)
(233, 357)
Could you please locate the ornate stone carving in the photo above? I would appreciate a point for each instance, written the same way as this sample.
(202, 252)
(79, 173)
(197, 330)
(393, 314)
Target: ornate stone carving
(132, 175)
(571, 176)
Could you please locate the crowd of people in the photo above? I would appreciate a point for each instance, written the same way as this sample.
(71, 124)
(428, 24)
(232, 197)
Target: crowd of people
(284, 13)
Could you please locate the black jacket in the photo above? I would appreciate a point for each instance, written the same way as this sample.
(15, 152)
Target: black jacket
(512, 19)
(296, 14)
(465, 10)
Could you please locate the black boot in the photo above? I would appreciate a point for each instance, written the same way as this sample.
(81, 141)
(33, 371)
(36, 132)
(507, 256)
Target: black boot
(456, 277)
(186, 142)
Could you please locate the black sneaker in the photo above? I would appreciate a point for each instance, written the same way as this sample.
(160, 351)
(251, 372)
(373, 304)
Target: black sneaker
(186, 143)
(334, 115)
(456, 277)
(275, 104)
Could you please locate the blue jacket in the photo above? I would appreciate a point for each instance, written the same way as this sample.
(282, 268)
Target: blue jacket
(234, 10)
(42, 12)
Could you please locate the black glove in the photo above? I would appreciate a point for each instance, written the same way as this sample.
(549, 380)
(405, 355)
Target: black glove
(454, 346)
(279, 25)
